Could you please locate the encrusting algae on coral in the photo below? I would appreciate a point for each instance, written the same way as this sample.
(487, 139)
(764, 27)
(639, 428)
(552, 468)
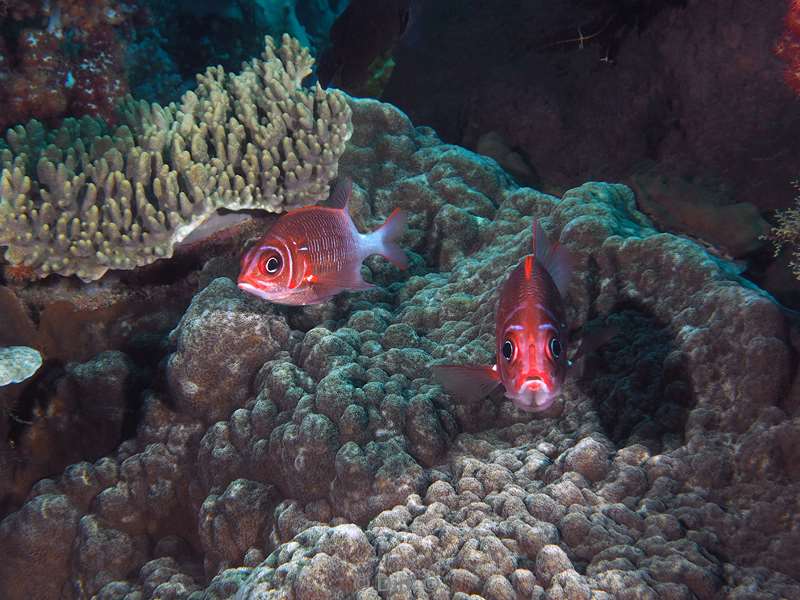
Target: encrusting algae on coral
(82, 199)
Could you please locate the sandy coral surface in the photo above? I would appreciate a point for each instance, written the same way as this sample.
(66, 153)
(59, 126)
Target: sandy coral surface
(306, 453)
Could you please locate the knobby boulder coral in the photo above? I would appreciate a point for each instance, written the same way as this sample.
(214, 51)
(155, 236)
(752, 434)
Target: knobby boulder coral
(83, 199)
(306, 453)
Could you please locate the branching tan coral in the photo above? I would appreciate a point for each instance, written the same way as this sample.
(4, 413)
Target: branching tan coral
(81, 199)
(787, 233)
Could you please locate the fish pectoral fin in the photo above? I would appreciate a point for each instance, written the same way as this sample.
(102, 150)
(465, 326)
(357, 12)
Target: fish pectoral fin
(360, 286)
(350, 279)
(592, 340)
(467, 382)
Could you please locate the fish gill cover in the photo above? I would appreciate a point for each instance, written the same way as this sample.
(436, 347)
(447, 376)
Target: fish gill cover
(307, 453)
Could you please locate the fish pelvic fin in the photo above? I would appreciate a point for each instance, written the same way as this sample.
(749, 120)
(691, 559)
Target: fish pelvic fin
(348, 278)
(554, 257)
(340, 195)
(590, 342)
(383, 240)
(467, 382)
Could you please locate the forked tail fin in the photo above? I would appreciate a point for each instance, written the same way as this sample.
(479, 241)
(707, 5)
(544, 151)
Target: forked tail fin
(386, 236)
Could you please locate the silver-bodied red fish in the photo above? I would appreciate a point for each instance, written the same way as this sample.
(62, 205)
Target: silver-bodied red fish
(531, 334)
(313, 253)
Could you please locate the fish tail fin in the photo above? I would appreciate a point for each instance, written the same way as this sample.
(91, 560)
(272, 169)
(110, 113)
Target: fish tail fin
(386, 236)
(466, 382)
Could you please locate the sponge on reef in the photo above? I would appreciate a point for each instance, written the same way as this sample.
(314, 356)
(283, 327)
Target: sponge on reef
(82, 199)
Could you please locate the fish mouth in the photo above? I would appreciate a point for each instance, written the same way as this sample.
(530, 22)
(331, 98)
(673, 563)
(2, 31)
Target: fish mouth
(271, 295)
(535, 384)
(534, 395)
(252, 289)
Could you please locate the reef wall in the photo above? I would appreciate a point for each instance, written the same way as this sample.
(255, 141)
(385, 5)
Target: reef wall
(592, 89)
(306, 452)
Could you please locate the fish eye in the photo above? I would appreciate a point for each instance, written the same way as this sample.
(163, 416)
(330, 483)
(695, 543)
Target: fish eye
(508, 349)
(272, 264)
(555, 347)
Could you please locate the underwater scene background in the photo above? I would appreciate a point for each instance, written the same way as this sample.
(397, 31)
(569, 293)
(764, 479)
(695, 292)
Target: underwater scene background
(204, 393)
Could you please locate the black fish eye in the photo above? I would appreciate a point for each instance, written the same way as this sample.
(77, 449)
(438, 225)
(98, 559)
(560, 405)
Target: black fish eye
(555, 347)
(273, 264)
(508, 349)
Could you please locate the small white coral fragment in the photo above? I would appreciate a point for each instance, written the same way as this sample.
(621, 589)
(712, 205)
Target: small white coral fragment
(18, 363)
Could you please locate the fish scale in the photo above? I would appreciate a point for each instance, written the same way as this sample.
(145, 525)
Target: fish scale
(328, 252)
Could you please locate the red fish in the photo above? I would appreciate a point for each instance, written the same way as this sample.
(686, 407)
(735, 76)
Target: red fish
(531, 334)
(313, 253)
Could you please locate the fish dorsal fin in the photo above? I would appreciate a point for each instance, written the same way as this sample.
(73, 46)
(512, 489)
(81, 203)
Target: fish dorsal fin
(340, 195)
(553, 257)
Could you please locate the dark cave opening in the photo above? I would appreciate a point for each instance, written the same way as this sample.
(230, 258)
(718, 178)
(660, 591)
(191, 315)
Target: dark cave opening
(639, 383)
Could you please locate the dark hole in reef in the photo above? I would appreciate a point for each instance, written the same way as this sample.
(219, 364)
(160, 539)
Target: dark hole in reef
(55, 419)
(32, 395)
(53, 422)
(639, 383)
(162, 271)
